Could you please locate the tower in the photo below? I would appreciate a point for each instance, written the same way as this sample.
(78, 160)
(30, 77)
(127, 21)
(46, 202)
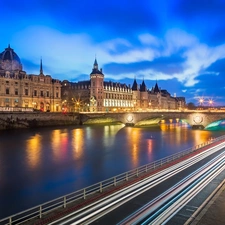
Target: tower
(97, 89)
(136, 95)
(144, 101)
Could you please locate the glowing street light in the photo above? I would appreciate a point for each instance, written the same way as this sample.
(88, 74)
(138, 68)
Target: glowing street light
(211, 102)
(201, 100)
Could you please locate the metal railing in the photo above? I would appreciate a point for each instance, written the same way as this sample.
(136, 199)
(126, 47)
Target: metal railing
(62, 202)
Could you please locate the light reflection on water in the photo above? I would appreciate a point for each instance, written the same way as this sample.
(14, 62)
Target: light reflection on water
(77, 143)
(33, 151)
(40, 165)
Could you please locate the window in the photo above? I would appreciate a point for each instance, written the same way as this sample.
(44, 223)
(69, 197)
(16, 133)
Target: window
(26, 91)
(16, 91)
(16, 83)
(57, 94)
(7, 91)
(47, 93)
(42, 93)
(7, 82)
(35, 92)
(16, 102)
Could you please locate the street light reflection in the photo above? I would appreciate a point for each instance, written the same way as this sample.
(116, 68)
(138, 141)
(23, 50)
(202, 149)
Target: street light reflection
(33, 150)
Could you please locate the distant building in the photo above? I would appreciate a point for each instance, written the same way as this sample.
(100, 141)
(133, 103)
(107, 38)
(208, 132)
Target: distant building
(19, 89)
(98, 95)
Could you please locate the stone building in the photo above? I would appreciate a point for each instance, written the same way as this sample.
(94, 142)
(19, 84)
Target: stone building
(98, 95)
(21, 90)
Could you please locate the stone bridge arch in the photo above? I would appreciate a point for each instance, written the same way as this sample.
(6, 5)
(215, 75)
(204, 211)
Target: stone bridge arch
(198, 119)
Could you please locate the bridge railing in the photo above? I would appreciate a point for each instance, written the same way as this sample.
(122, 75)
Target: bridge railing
(66, 200)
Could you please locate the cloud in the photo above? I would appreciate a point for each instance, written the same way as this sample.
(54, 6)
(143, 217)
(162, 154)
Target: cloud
(177, 55)
(61, 52)
(183, 57)
(148, 39)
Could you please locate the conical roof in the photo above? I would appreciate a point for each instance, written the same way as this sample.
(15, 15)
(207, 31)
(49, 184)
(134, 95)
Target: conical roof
(135, 85)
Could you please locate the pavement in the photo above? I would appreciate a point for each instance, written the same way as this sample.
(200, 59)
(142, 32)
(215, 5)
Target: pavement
(212, 212)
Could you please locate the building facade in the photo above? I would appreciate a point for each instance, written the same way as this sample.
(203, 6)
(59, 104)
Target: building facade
(21, 90)
(98, 95)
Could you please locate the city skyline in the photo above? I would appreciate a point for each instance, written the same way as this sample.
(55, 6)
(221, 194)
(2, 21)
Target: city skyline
(179, 44)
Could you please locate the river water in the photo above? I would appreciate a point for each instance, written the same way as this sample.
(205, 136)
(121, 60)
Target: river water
(42, 164)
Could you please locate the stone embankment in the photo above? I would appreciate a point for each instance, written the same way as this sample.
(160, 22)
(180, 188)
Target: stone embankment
(15, 120)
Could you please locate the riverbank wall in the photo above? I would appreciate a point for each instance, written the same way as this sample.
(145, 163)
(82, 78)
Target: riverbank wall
(16, 120)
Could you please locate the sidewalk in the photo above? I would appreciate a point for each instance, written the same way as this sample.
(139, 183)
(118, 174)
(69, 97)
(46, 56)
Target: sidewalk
(214, 211)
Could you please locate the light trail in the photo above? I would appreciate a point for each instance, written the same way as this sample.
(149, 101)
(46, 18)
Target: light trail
(105, 205)
(176, 200)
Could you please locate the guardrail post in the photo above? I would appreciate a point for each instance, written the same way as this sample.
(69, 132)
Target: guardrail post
(126, 176)
(64, 205)
(40, 211)
(10, 220)
(137, 172)
(100, 187)
(114, 181)
(84, 193)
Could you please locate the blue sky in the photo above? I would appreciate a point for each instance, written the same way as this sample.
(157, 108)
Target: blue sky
(179, 43)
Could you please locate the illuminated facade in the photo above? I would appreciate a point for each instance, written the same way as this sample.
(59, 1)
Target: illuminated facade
(97, 95)
(18, 89)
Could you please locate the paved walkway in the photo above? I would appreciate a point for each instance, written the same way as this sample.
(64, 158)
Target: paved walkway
(213, 213)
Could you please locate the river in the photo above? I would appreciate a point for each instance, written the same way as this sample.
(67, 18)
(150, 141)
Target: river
(41, 164)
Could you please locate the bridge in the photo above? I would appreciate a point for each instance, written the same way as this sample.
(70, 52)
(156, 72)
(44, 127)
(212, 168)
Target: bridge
(173, 189)
(195, 118)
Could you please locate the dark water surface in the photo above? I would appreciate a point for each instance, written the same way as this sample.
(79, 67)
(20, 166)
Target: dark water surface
(42, 164)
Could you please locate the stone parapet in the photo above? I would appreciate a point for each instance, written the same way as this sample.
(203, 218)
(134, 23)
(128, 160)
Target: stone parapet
(14, 120)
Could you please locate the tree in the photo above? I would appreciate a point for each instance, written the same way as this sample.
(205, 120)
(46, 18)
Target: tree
(191, 105)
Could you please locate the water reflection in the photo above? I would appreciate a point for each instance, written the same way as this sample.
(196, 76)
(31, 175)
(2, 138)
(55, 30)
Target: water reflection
(77, 143)
(150, 146)
(65, 160)
(56, 144)
(33, 149)
(134, 141)
(110, 132)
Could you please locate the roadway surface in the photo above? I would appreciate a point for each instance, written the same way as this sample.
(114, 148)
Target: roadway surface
(119, 210)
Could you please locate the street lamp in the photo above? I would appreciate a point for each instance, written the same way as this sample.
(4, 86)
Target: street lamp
(201, 100)
(78, 108)
(210, 102)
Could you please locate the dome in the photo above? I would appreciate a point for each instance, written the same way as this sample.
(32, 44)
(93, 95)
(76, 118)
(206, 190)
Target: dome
(9, 60)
